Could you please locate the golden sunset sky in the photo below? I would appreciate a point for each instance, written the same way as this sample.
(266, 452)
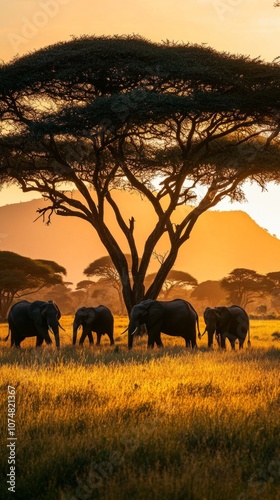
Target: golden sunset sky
(248, 27)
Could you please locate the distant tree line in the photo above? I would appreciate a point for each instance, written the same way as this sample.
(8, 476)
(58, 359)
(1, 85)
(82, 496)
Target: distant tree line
(24, 278)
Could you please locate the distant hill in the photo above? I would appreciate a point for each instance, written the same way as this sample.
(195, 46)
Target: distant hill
(220, 241)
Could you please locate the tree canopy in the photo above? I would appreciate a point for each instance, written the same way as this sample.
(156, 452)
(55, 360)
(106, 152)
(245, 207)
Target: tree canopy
(210, 292)
(174, 281)
(20, 275)
(245, 285)
(96, 115)
(104, 269)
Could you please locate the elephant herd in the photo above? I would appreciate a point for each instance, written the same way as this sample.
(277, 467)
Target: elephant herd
(175, 317)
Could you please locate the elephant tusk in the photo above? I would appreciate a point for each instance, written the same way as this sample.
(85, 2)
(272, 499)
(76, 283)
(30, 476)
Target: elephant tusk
(134, 331)
(51, 330)
(61, 327)
(124, 331)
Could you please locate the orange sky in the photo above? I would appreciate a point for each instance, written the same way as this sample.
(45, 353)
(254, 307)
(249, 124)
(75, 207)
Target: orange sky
(249, 27)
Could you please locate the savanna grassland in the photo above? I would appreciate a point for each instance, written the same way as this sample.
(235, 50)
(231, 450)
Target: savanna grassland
(106, 423)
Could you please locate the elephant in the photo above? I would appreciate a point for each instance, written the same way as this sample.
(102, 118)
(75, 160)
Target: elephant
(93, 319)
(34, 319)
(228, 322)
(175, 317)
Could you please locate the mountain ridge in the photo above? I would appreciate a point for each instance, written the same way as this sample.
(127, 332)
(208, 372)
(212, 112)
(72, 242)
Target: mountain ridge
(220, 240)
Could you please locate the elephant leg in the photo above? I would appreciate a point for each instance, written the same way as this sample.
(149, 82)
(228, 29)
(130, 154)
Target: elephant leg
(47, 339)
(83, 336)
(219, 340)
(39, 341)
(190, 338)
(232, 339)
(241, 343)
(90, 338)
(159, 342)
(190, 343)
(154, 336)
(98, 338)
(16, 342)
(222, 343)
(151, 343)
(110, 335)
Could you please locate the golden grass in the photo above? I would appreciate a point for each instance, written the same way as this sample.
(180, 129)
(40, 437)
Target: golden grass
(108, 423)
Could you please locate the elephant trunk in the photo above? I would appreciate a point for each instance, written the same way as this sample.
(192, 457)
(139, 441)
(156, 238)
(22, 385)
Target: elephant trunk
(210, 332)
(53, 326)
(75, 330)
(55, 331)
(132, 329)
(57, 339)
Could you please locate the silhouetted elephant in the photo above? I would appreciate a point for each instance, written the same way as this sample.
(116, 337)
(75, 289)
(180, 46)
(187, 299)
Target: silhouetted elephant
(175, 317)
(34, 319)
(227, 322)
(93, 319)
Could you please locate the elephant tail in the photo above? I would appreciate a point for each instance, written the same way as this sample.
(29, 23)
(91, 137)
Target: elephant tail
(198, 330)
(249, 337)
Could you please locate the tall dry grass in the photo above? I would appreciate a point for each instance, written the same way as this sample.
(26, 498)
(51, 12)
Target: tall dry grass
(102, 422)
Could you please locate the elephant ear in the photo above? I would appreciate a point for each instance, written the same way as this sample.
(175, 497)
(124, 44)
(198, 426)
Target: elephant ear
(58, 313)
(219, 310)
(35, 313)
(206, 312)
(156, 312)
(152, 310)
(82, 311)
(146, 304)
(224, 314)
(88, 314)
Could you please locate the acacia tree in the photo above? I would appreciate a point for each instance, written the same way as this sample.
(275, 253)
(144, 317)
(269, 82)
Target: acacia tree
(174, 280)
(104, 268)
(84, 289)
(274, 277)
(245, 285)
(101, 114)
(209, 291)
(20, 276)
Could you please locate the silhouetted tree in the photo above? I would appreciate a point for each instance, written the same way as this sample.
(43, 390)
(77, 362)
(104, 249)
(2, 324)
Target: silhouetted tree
(102, 114)
(104, 268)
(85, 287)
(175, 280)
(21, 276)
(245, 285)
(274, 290)
(274, 276)
(209, 292)
(62, 296)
